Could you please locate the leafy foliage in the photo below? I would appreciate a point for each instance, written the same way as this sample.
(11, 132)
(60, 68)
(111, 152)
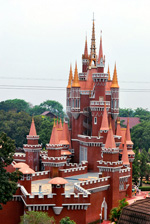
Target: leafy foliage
(67, 220)
(36, 217)
(136, 167)
(8, 181)
(116, 212)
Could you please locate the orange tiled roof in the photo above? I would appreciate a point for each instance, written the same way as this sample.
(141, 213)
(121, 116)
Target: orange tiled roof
(32, 129)
(110, 141)
(125, 158)
(104, 125)
(58, 180)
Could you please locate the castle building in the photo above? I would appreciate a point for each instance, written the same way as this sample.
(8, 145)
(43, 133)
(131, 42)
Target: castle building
(92, 153)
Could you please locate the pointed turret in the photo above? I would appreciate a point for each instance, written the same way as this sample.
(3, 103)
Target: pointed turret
(110, 141)
(54, 136)
(60, 124)
(125, 155)
(104, 125)
(115, 79)
(93, 47)
(109, 79)
(128, 136)
(118, 131)
(86, 49)
(64, 138)
(32, 148)
(70, 77)
(76, 79)
(100, 51)
(32, 129)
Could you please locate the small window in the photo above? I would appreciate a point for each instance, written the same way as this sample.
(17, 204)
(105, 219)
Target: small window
(95, 120)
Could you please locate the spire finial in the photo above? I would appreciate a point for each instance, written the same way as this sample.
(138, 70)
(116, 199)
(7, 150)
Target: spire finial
(70, 77)
(76, 79)
(93, 55)
(115, 79)
(108, 73)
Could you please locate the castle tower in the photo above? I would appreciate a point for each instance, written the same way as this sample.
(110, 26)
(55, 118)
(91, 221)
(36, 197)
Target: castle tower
(110, 166)
(26, 178)
(85, 58)
(131, 155)
(104, 125)
(115, 95)
(68, 108)
(32, 148)
(101, 59)
(54, 161)
(93, 56)
(58, 188)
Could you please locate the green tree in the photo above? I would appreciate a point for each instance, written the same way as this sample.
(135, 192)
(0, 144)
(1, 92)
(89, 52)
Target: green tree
(116, 212)
(143, 165)
(8, 181)
(16, 105)
(136, 167)
(67, 220)
(126, 112)
(53, 106)
(36, 217)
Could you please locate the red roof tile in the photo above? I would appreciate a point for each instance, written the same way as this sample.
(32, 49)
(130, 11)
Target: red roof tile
(132, 121)
(32, 129)
(58, 180)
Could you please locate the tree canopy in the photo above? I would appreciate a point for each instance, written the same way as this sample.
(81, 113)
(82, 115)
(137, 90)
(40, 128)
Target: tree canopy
(36, 217)
(116, 212)
(66, 220)
(8, 181)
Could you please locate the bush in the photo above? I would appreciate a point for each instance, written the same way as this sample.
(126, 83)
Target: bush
(146, 188)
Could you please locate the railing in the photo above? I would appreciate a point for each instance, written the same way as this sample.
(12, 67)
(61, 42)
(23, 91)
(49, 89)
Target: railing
(99, 103)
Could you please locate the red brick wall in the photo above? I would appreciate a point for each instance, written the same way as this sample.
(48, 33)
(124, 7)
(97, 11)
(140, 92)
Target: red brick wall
(11, 212)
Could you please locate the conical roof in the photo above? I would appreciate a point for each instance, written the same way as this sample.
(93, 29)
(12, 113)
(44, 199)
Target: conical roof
(86, 49)
(110, 141)
(100, 51)
(32, 129)
(54, 136)
(115, 79)
(76, 79)
(64, 138)
(104, 125)
(128, 136)
(118, 131)
(125, 158)
(70, 77)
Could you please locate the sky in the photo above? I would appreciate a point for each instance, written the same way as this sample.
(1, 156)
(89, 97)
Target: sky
(40, 38)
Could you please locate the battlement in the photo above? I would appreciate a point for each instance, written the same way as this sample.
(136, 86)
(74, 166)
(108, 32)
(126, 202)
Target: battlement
(123, 172)
(110, 150)
(20, 155)
(73, 171)
(99, 184)
(109, 163)
(62, 158)
(41, 175)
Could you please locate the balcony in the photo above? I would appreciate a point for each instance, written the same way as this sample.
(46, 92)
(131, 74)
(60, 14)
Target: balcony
(99, 103)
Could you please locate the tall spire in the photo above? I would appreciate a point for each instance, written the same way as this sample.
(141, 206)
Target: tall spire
(64, 138)
(118, 131)
(86, 49)
(115, 79)
(110, 141)
(109, 79)
(104, 125)
(100, 50)
(76, 79)
(128, 136)
(32, 129)
(93, 45)
(70, 77)
(54, 136)
(125, 158)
